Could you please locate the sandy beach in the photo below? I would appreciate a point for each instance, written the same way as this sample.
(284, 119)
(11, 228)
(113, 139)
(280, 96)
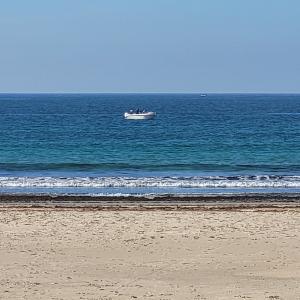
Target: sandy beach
(69, 253)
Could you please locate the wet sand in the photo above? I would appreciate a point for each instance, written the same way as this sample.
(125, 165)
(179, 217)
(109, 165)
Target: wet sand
(199, 252)
(166, 202)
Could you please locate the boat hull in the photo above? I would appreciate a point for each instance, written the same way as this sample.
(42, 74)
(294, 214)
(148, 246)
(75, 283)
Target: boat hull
(139, 116)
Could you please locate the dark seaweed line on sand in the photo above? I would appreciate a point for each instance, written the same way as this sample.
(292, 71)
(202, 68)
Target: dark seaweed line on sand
(165, 202)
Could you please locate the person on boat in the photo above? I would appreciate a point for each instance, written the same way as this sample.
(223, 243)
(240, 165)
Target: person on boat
(137, 111)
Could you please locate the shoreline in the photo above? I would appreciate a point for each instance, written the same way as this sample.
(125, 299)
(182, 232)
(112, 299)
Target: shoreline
(168, 202)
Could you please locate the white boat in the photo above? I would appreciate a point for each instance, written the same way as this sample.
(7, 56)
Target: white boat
(139, 115)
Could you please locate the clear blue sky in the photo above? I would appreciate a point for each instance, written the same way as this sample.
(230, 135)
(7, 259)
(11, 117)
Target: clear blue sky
(150, 46)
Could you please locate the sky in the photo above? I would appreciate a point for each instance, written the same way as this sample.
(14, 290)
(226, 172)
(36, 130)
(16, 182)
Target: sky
(132, 46)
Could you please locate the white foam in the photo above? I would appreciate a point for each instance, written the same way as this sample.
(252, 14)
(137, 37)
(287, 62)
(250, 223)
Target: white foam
(262, 181)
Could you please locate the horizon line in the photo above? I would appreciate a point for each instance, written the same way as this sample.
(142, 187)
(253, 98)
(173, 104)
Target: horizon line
(132, 93)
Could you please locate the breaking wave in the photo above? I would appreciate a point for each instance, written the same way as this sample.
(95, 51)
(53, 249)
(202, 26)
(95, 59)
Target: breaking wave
(255, 181)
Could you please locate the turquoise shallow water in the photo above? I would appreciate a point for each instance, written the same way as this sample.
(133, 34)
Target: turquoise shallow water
(80, 143)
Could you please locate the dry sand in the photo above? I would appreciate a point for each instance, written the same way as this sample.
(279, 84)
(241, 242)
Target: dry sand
(88, 254)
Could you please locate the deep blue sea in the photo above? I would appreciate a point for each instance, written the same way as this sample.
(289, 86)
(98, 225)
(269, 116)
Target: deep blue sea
(81, 144)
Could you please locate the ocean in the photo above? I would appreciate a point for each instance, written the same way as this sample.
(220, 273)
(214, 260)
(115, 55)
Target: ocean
(197, 144)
